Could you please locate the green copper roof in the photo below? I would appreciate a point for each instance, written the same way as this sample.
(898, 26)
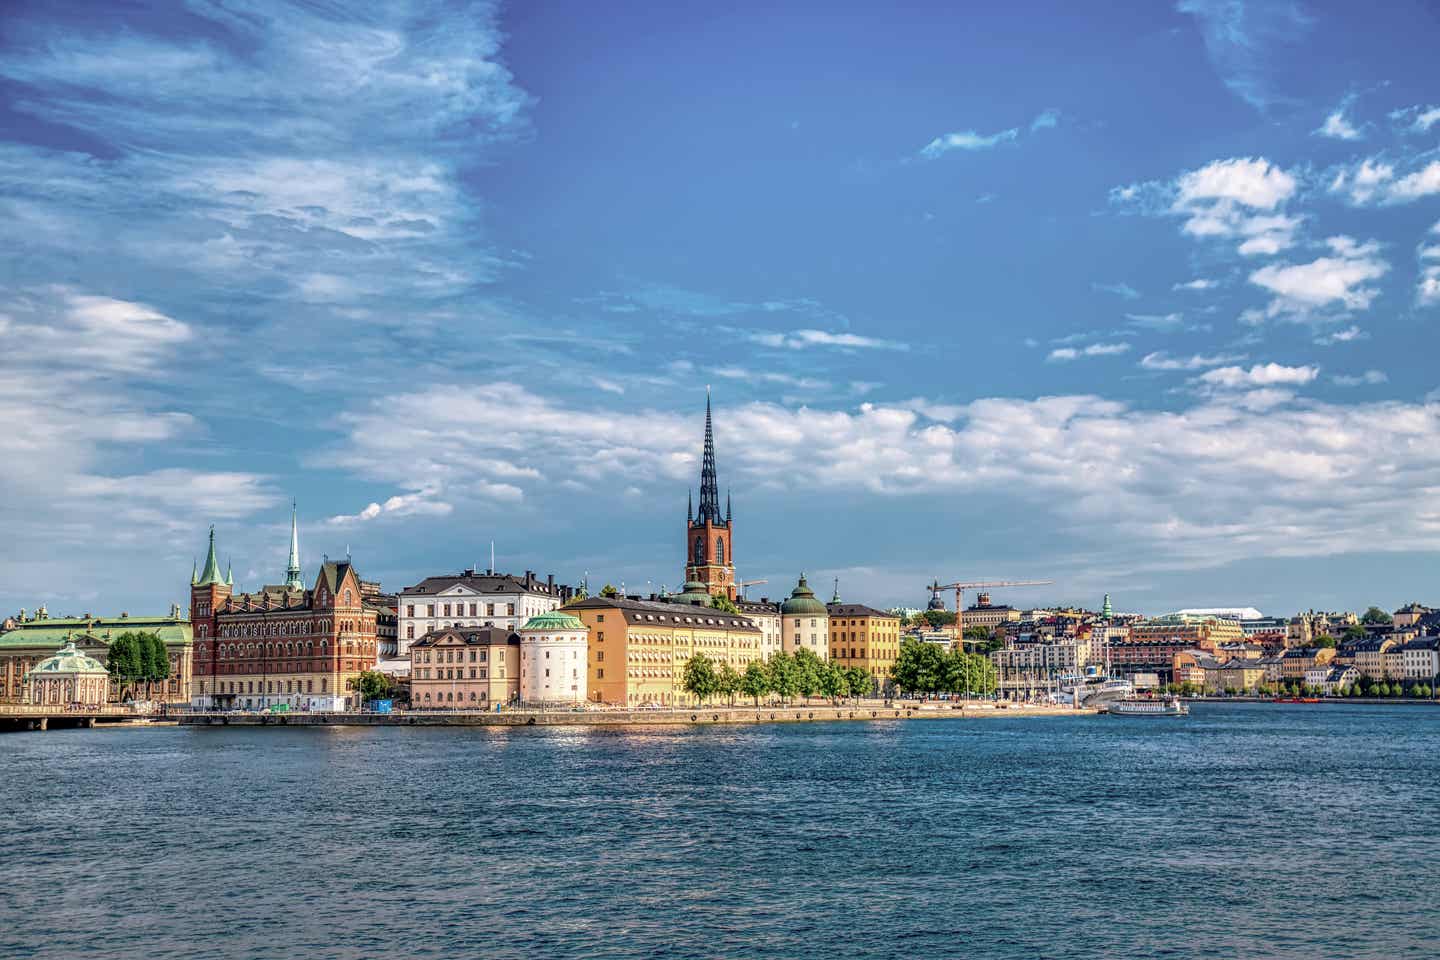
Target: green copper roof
(694, 591)
(51, 634)
(802, 601)
(68, 660)
(554, 620)
(210, 576)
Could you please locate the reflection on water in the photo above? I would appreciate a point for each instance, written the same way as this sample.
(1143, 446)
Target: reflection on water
(1242, 830)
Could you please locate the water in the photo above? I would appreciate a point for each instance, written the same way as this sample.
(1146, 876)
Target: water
(1245, 830)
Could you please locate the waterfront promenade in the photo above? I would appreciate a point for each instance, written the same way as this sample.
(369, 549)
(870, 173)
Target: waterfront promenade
(796, 713)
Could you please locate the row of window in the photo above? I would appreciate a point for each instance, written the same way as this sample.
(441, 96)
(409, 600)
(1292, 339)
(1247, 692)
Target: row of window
(459, 609)
(271, 686)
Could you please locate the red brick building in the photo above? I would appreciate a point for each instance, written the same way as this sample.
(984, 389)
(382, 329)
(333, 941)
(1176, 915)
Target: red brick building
(281, 645)
(709, 537)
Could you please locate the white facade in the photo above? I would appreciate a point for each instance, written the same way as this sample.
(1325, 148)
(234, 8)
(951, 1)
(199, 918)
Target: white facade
(470, 600)
(1419, 662)
(553, 665)
(808, 631)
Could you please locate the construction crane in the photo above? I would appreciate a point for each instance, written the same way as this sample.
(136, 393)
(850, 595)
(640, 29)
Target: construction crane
(748, 583)
(964, 585)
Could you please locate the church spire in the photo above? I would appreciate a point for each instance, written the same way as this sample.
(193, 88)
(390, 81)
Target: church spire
(210, 576)
(292, 569)
(709, 486)
(689, 506)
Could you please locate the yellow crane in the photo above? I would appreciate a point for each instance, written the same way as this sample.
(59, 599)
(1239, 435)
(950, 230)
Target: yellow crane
(964, 585)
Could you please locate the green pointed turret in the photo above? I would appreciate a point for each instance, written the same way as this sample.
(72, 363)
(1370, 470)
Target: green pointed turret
(210, 576)
(194, 572)
(229, 573)
(1105, 610)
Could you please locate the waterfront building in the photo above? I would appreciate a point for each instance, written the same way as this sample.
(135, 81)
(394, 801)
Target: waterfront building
(804, 622)
(1263, 626)
(638, 648)
(472, 599)
(1420, 659)
(709, 537)
(1340, 676)
(280, 645)
(471, 668)
(862, 636)
(554, 665)
(33, 638)
(1029, 669)
(765, 614)
(1204, 631)
(68, 677)
(1368, 655)
(1394, 661)
(1295, 661)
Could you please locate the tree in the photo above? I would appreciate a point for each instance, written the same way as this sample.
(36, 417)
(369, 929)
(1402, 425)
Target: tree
(1354, 632)
(783, 675)
(699, 678)
(919, 668)
(1376, 616)
(609, 592)
(807, 672)
(373, 685)
(1383, 690)
(936, 619)
(977, 633)
(124, 661)
(833, 682)
(727, 682)
(1328, 641)
(724, 604)
(755, 681)
(859, 680)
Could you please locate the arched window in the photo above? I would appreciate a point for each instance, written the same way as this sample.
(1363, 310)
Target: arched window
(720, 550)
(699, 550)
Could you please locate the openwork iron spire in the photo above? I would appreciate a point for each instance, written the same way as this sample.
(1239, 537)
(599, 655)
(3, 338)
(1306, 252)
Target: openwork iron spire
(709, 486)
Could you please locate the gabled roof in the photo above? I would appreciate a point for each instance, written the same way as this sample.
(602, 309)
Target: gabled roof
(470, 637)
(480, 583)
(654, 613)
(859, 610)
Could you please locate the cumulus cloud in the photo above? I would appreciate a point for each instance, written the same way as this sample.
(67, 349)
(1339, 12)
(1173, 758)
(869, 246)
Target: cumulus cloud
(1375, 181)
(1243, 471)
(1341, 280)
(967, 140)
(1242, 198)
(1260, 375)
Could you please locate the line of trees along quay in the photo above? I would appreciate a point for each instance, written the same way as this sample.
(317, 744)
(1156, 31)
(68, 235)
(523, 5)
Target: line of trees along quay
(785, 675)
(927, 668)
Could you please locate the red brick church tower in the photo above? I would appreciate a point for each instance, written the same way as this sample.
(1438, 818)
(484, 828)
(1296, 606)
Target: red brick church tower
(709, 538)
(208, 592)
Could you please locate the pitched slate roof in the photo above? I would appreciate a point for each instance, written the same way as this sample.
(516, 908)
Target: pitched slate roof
(481, 583)
(650, 612)
(54, 632)
(860, 610)
(473, 637)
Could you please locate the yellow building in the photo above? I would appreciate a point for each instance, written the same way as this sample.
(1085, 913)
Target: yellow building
(639, 648)
(862, 636)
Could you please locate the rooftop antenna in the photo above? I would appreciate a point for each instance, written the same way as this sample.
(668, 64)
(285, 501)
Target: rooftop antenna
(492, 558)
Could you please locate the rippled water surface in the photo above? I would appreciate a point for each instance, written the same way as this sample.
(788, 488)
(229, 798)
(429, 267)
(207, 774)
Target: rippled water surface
(1245, 830)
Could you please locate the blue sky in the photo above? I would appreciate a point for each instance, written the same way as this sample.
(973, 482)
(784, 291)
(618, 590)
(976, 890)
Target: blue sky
(1141, 305)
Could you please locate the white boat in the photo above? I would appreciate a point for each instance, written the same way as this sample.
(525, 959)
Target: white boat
(1145, 707)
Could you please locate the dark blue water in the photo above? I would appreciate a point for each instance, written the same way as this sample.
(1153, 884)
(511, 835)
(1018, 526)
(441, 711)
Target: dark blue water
(1250, 830)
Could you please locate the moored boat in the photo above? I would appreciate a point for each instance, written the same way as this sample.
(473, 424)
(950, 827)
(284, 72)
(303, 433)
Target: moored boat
(1147, 707)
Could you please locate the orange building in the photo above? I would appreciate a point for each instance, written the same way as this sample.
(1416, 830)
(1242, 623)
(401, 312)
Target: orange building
(862, 636)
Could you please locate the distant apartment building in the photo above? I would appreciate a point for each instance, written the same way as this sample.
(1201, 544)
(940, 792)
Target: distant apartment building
(982, 613)
(1296, 661)
(1153, 644)
(765, 614)
(472, 599)
(1420, 659)
(1410, 614)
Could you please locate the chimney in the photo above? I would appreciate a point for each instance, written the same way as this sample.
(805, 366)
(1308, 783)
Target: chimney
(550, 583)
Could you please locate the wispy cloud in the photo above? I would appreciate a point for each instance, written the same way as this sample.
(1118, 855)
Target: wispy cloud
(1064, 354)
(967, 140)
(1242, 39)
(804, 339)
(1045, 120)
(1199, 283)
(1163, 361)
(1368, 378)
(1122, 290)
(1337, 125)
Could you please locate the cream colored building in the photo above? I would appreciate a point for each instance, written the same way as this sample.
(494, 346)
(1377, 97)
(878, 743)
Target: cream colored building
(804, 622)
(468, 669)
(68, 677)
(766, 617)
(554, 663)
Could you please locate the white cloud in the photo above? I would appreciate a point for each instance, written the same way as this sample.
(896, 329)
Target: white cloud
(1368, 378)
(966, 140)
(1348, 335)
(1417, 119)
(1163, 361)
(768, 376)
(418, 504)
(1260, 375)
(1241, 472)
(1045, 119)
(1339, 280)
(803, 339)
(1374, 181)
(1337, 126)
(1122, 290)
(1241, 40)
(1242, 198)
(1164, 322)
(1427, 286)
(1093, 350)
(1198, 283)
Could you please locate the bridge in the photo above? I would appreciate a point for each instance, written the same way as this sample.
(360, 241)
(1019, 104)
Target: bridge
(36, 716)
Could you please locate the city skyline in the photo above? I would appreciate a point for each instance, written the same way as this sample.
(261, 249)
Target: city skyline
(988, 300)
